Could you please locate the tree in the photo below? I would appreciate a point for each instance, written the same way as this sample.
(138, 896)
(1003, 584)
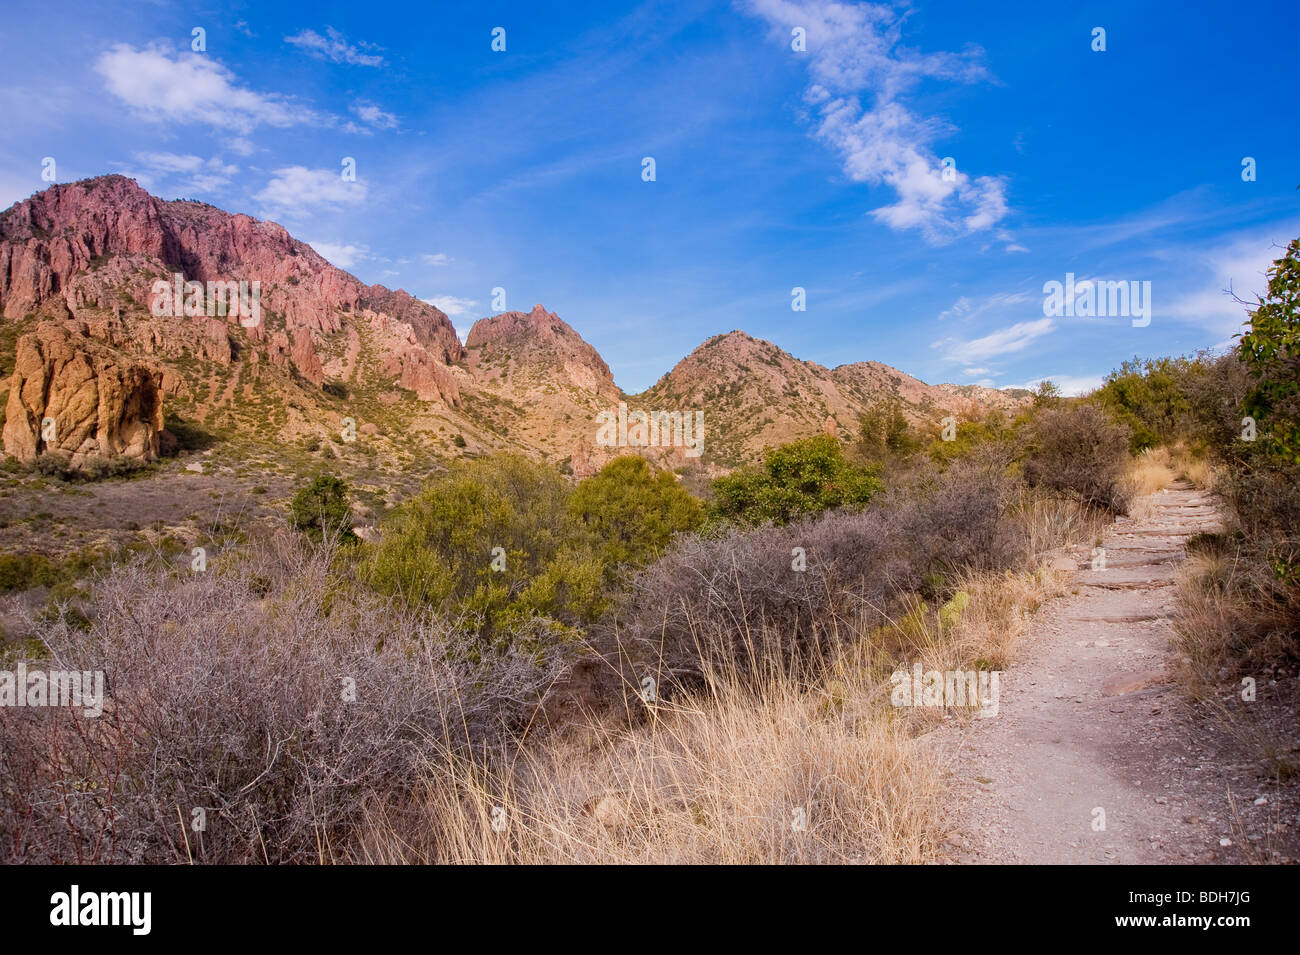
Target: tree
(883, 431)
(1271, 351)
(323, 510)
(1047, 394)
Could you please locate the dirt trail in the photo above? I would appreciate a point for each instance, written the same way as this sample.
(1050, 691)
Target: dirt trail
(1090, 722)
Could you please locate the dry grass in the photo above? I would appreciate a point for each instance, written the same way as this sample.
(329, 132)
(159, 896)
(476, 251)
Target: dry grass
(1229, 622)
(723, 778)
(1195, 468)
(726, 775)
(1050, 522)
(1150, 472)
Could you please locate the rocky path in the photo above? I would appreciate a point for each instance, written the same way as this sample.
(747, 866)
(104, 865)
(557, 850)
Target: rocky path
(1094, 757)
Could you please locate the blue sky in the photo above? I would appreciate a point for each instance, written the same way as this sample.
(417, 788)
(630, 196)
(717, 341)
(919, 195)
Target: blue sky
(774, 168)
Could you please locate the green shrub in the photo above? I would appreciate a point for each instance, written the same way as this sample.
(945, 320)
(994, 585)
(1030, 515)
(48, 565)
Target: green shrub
(503, 539)
(884, 432)
(478, 536)
(323, 510)
(1271, 351)
(631, 512)
(21, 571)
(796, 480)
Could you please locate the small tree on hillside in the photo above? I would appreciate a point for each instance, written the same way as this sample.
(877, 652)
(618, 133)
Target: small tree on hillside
(322, 510)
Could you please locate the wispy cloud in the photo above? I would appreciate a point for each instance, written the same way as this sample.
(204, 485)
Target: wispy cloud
(968, 308)
(1240, 265)
(191, 88)
(335, 47)
(854, 54)
(371, 117)
(454, 307)
(1005, 341)
(190, 173)
(437, 258)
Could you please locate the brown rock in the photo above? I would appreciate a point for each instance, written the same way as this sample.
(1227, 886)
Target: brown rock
(100, 405)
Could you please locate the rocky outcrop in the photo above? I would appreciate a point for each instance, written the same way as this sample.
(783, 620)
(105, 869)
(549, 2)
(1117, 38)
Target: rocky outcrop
(539, 346)
(72, 396)
(97, 247)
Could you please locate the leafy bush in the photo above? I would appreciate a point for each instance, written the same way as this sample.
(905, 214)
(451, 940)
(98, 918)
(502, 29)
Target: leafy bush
(1164, 401)
(884, 432)
(478, 537)
(1271, 351)
(21, 571)
(504, 538)
(796, 480)
(323, 510)
(631, 512)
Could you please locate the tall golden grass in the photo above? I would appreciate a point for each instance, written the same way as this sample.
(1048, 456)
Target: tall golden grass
(810, 764)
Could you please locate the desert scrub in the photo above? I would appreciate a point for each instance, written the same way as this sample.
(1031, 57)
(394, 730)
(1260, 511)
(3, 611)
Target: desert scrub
(270, 692)
(1080, 450)
(803, 586)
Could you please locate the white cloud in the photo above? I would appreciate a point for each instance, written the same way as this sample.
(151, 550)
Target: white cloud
(438, 258)
(296, 190)
(974, 372)
(1240, 265)
(343, 255)
(187, 173)
(854, 53)
(335, 48)
(1071, 385)
(372, 116)
(191, 88)
(454, 307)
(967, 308)
(1002, 342)
(959, 307)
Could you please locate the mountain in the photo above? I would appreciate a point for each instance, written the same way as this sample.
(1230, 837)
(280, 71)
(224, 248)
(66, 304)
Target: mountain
(756, 395)
(103, 357)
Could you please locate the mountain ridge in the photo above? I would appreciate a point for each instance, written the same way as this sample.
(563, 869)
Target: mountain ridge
(85, 256)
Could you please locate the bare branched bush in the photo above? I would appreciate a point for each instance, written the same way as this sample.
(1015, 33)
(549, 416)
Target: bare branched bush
(1080, 450)
(785, 590)
(254, 714)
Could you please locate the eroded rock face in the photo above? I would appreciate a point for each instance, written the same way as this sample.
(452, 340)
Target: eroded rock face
(91, 249)
(539, 345)
(72, 396)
